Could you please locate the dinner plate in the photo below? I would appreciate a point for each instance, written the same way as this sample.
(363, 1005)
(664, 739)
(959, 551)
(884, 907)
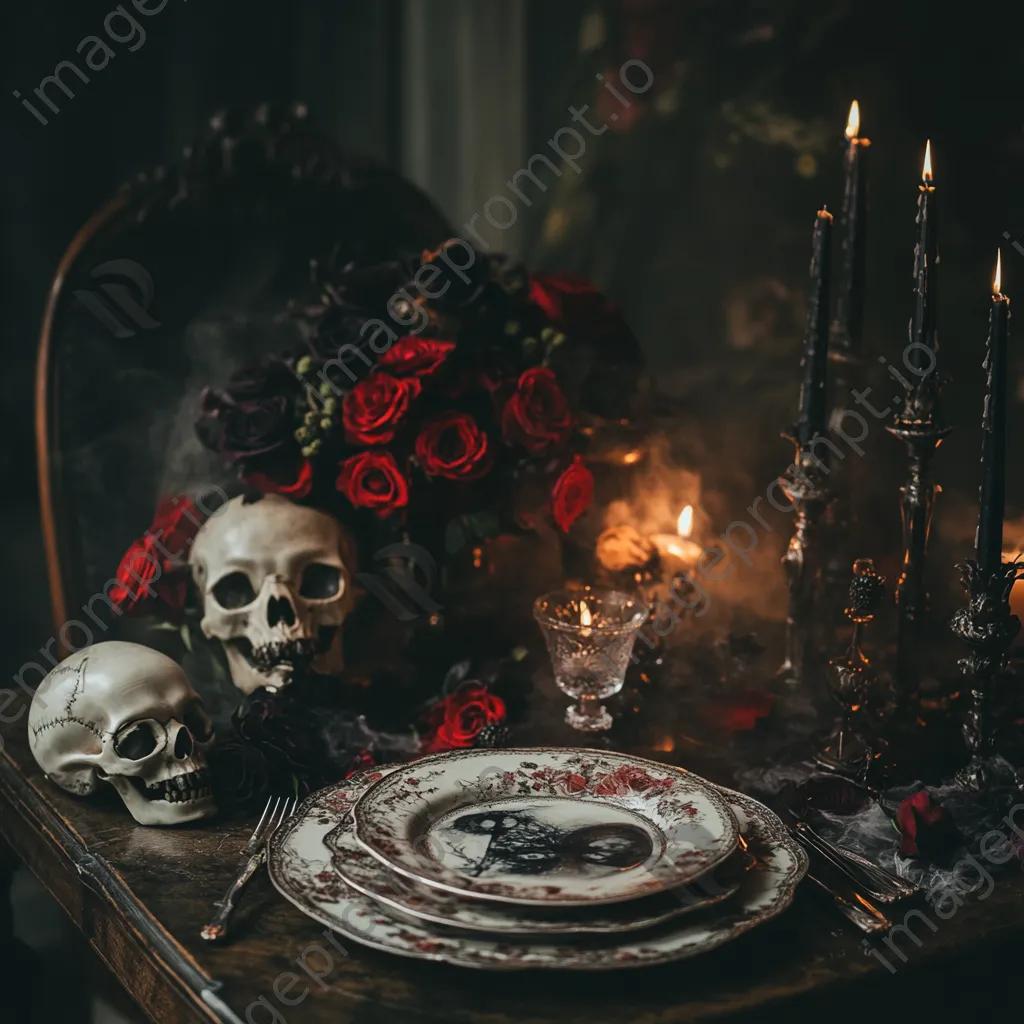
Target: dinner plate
(300, 868)
(545, 826)
(369, 876)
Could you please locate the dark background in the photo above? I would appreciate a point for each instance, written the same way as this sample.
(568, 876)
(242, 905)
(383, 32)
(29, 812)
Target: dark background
(696, 217)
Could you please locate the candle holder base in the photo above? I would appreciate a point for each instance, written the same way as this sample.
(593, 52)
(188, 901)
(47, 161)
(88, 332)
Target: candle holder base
(588, 716)
(846, 754)
(975, 776)
(988, 627)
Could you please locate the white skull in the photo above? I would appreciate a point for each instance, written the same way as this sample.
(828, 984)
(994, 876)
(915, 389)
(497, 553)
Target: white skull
(125, 714)
(276, 585)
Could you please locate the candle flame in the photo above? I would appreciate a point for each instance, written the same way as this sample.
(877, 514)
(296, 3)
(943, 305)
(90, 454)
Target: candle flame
(585, 619)
(926, 173)
(998, 280)
(853, 121)
(684, 525)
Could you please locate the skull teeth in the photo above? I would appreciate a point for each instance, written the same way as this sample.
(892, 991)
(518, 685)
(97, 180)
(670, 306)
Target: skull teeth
(182, 788)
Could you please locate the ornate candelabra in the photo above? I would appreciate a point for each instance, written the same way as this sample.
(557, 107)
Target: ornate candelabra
(988, 627)
(853, 678)
(804, 485)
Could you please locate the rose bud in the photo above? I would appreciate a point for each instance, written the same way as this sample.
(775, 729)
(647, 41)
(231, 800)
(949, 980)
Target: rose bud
(926, 827)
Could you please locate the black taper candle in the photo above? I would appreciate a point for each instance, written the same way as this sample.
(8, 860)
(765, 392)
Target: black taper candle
(923, 330)
(813, 400)
(992, 498)
(846, 342)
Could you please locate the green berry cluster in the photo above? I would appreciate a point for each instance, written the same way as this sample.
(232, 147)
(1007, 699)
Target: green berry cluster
(317, 421)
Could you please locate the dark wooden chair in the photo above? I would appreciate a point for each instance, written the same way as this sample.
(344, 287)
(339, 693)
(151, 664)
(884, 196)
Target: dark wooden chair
(183, 275)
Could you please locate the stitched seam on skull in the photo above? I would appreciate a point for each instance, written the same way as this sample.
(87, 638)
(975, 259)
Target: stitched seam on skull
(52, 723)
(77, 688)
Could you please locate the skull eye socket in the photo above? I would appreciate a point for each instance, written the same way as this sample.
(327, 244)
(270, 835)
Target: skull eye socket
(136, 741)
(320, 581)
(197, 723)
(234, 591)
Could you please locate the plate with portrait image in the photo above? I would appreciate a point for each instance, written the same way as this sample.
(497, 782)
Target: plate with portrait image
(545, 826)
(369, 876)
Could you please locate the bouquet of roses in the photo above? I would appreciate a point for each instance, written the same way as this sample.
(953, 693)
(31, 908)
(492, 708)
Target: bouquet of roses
(425, 390)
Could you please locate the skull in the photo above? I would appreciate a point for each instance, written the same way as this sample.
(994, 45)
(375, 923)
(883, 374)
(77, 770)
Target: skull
(127, 715)
(276, 585)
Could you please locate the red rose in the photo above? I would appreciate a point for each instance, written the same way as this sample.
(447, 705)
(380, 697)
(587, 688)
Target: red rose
(537, 415)
(299, 488)
(453, 446)
(374, 409)
(373, 480)
(139, 569)
(175, 525)
(926, 828)
(458, 719)
(572, 494)
(152, 566)
(416, 357)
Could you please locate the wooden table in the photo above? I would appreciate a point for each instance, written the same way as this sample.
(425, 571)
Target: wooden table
(140, 895)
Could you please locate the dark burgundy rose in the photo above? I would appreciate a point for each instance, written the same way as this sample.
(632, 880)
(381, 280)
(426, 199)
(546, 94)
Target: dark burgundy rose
(373, 480)
(265, 379)
(453, 446)
(376, 407)
(415, 357)
(572, 494)
(242, 430)
(926, 827)
(537, 415)
(337, 334)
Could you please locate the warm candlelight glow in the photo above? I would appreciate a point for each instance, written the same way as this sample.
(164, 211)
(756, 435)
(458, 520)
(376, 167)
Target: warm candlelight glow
(853, 121)
(585, 619)
(684, 526)
(998, 280)
(926, 174)
(630, 457)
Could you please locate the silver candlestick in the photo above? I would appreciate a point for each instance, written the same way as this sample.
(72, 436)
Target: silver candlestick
(989, 627)
(804, 485)
(853, 678)
(920, 428)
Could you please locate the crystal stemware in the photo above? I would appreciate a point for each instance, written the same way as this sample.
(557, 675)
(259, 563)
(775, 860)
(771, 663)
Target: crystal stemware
(590, 635)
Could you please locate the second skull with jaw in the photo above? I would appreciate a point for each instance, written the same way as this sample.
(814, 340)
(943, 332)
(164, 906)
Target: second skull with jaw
(275, 579)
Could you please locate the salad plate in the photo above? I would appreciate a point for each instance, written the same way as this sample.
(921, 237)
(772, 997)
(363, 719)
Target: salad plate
(369, 876)
(545, 826)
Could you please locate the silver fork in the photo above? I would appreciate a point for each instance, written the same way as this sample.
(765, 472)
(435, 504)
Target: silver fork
(879, 883)
(277, 811)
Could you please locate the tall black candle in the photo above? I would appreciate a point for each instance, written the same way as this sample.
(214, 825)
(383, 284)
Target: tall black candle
(923, 331)
(989, 539)
(847, 327)
(811, 420)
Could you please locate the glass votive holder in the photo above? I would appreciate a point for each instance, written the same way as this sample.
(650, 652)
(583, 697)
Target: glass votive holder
(590, 635)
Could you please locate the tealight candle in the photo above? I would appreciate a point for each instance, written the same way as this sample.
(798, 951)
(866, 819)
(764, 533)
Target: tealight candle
(678, 551)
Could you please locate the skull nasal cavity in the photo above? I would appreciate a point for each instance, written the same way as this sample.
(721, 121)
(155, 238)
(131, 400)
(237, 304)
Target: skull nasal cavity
(183, 744)
(279, 609)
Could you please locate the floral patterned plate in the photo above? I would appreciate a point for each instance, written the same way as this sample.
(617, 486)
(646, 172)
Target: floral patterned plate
(300, 868)
(552, 826)
(367, 875)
